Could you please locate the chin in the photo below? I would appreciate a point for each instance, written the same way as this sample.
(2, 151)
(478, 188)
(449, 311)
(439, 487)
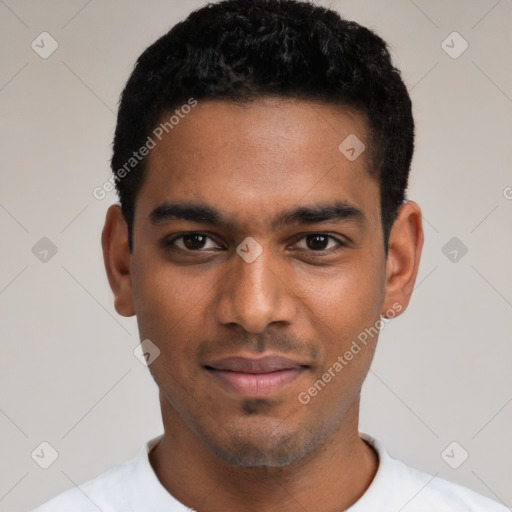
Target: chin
(260, 448)
(252, 455)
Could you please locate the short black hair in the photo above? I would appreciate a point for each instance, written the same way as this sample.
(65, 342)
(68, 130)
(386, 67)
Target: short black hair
(241, 50)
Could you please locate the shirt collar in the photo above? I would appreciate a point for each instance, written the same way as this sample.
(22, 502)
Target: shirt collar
(155, 498)
(382, 483)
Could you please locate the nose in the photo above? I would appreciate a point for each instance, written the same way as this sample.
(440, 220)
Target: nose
(254, 295)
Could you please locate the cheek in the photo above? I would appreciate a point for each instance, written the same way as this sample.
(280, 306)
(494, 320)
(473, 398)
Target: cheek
(343, 309)
(346, 299)
(168, 313)
(167, 301)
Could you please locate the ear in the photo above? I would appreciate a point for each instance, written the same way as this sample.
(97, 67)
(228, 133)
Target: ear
(117, 258)
(403, 259)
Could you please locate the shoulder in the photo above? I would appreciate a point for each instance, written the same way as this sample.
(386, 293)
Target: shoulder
(412, 490)
(430, 492)
(105, 492)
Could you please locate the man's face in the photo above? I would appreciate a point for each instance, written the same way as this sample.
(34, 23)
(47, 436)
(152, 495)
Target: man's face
(242, 339)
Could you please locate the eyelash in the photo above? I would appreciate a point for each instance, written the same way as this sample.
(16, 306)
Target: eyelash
(169, 243)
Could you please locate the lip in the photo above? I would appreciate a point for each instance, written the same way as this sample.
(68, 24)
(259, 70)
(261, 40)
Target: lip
(255, 377)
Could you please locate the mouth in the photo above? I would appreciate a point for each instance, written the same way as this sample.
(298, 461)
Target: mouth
(255, 377)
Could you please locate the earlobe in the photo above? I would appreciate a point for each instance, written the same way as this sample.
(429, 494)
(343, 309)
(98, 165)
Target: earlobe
(403, 259)
(117, 259)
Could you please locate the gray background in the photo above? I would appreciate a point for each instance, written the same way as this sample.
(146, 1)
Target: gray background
(68, 373)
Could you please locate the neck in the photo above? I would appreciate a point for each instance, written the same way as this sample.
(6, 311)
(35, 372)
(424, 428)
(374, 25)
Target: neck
(329, 479)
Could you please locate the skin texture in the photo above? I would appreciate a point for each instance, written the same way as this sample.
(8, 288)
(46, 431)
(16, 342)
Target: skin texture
(223, 450)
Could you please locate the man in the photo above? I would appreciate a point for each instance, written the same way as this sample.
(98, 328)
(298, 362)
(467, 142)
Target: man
(261, 157)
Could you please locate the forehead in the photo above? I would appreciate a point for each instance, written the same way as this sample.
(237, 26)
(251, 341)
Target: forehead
(252, 160)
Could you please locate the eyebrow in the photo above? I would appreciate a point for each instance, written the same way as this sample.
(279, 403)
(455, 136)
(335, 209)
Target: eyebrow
(205, 214)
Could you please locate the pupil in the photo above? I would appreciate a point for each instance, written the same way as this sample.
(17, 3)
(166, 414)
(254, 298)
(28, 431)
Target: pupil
(194, 241)
(313, 239)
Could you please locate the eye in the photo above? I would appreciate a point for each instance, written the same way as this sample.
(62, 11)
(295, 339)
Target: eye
(319, 242)
(199, 242)
(192, 242)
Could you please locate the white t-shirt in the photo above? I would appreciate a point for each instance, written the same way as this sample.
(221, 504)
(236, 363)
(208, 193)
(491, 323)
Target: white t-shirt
(134, 487)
